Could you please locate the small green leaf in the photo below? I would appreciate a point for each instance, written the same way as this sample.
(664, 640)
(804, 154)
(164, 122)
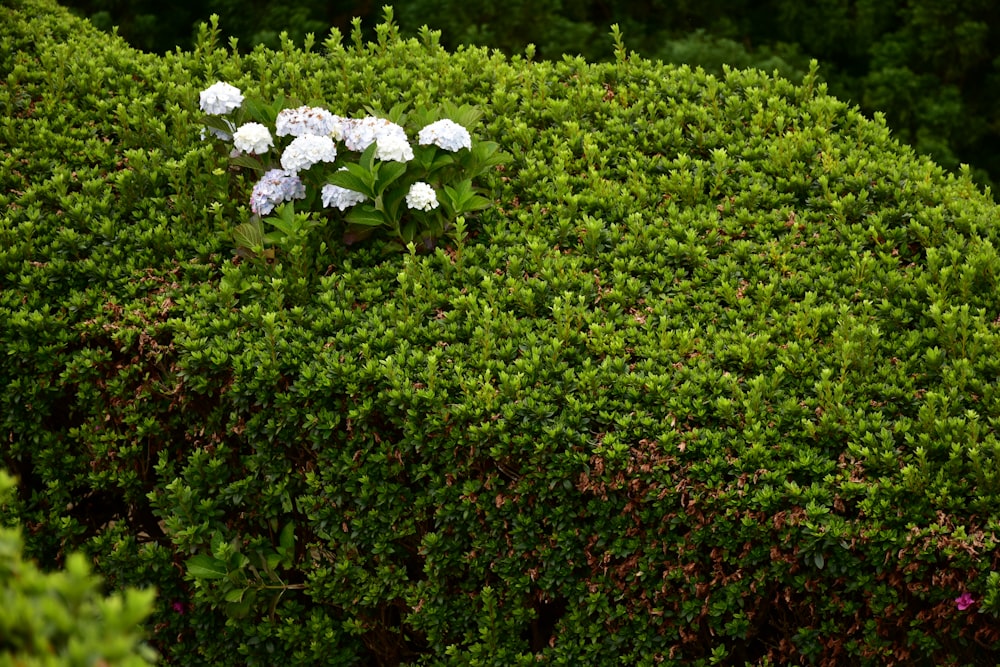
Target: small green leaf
(235, 595)
(287, 537)
(204, 566)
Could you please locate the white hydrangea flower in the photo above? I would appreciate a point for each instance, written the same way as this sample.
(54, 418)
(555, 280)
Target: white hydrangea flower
(252, 138)
(421, 197)
(307, 120)
(339, 127)
(446, 134)
(220, 98)
(307, 150)
(359, 134)
(275, 187)
(342, 198)
(393, 147)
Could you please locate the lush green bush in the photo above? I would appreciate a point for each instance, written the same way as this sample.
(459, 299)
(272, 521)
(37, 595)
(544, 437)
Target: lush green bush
(712, 381)
(59, 619)
(933, 68)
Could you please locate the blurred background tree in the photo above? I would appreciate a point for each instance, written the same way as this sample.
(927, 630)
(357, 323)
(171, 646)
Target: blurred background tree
(932, 66)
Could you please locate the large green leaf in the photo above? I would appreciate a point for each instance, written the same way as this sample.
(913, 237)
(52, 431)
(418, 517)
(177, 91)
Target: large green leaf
(249, 235)
(248, 161)
(389, 172)
(204, 566)
(365, 215)
(356, 179)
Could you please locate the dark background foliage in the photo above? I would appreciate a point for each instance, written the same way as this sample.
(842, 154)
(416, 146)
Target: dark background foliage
(932, 67)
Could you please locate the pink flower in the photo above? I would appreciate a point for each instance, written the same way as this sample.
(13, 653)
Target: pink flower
(964, 601)
(178, 607)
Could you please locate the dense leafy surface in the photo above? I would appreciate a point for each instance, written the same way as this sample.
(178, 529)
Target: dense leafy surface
(60, 619)
(932, 67)
(714, 379)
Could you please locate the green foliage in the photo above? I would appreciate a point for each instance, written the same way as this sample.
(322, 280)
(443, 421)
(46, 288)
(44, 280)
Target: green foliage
(60, 618)
(931, 67)
(713, 381)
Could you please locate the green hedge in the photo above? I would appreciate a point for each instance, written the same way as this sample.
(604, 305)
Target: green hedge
(712, 382)
(59, 619)
(932, 67)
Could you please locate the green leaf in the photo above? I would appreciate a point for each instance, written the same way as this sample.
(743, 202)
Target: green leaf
(238, 609)
(262, 113)
(217, 123)
(286, 220)
(466, 115)
(443, 159)
(389, 172)
(397, 114)
(392, 201)
(475, 203)
(248, 161)
(355, 178)
(287, 538)
(365, 214)
(235, 595)
(249, 235)
(484, 156)
(462, 198)
(204, 566)
(367, 160)
(237, 562)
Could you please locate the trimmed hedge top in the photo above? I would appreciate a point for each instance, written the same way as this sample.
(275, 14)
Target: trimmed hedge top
(714, 379)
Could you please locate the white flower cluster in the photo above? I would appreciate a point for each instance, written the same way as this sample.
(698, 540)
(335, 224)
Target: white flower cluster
(252, 138)
(315, 130)
(220, 98)
(275, 187)
(342, 198)
(392, 147)
(446, 134)
(307, 150)
(307, 120)
(360, 133)
(421, 197)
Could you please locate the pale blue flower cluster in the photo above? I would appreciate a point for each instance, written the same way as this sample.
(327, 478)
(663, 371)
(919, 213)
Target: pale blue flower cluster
(277, 186)
(342, 198)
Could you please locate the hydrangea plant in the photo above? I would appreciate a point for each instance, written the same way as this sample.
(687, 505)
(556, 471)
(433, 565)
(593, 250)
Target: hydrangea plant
(365, 171)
